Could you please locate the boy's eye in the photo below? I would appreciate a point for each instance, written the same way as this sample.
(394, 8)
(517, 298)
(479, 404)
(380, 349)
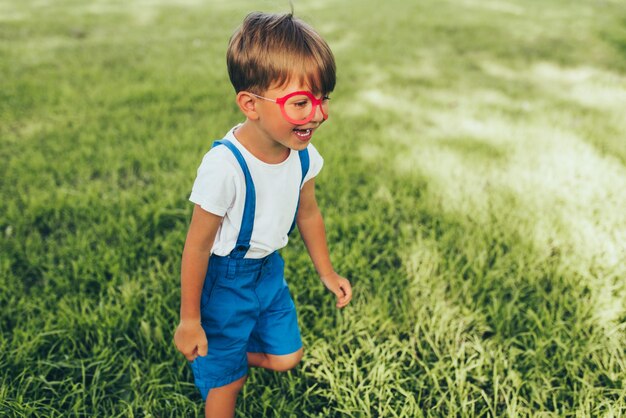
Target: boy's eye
(301, 103)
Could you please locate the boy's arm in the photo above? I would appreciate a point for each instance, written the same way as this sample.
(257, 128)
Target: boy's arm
(311, 226)
(190, 338)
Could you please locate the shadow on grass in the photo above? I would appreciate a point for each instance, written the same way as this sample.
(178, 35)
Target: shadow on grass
(528, 318)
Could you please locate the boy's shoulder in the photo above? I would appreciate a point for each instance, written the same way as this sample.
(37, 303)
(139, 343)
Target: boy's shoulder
(219, 158)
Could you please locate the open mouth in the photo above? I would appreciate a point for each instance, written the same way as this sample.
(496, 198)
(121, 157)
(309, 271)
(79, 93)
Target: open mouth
(304, 134)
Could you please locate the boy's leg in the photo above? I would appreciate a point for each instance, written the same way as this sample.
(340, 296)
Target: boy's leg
(275, 341)
(273, 362)
(220, 402)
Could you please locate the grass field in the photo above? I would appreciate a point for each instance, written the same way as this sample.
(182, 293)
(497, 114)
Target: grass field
(474, 192)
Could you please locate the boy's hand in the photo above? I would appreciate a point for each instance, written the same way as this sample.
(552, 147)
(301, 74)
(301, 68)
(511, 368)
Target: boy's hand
(190, 339)
(340, 286)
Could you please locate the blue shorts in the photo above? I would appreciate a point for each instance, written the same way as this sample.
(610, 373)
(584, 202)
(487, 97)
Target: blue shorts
(245, 307)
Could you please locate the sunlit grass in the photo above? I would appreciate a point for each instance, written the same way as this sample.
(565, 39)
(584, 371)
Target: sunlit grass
(473, 192)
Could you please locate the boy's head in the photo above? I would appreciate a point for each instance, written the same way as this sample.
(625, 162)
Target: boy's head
(270, 50)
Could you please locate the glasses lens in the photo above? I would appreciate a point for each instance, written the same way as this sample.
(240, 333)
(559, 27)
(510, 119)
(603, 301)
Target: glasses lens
(325, 101)
(298, 107)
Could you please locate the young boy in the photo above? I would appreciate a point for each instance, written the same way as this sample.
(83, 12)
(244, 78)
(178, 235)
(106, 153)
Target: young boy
(236, 310)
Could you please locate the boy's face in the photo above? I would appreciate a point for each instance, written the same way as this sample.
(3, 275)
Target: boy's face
(274, 118)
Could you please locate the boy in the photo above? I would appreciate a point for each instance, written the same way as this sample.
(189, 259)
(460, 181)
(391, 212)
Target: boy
(236, 310)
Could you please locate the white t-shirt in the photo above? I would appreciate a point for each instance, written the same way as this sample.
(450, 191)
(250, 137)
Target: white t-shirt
(220, 188)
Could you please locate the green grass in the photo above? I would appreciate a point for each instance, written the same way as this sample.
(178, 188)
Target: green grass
(473, 192)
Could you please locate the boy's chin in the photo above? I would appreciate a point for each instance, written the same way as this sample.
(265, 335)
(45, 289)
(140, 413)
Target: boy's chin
(300, 145)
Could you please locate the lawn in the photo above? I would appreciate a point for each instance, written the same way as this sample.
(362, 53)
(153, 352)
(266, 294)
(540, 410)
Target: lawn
(473, 192)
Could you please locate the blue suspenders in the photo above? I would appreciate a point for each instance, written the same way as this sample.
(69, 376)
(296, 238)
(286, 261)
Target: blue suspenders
(304, 165)
(247, 222)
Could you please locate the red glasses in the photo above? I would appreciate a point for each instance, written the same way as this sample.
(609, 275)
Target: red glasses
(299, 107)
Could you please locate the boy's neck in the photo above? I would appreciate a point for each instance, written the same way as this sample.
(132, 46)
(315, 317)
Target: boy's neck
(259, 145)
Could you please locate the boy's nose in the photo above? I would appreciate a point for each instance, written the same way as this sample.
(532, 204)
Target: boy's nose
(318, 116)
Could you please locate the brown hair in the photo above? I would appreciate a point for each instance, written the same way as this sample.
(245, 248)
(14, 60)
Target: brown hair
(267, 50)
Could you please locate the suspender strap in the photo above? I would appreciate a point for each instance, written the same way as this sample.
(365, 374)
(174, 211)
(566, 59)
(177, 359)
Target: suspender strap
(247, 223)
(304, 165)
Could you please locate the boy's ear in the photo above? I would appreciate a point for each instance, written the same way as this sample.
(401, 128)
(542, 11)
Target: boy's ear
(247, 104)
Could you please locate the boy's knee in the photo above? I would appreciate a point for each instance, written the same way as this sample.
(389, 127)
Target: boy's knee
(286, 362)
